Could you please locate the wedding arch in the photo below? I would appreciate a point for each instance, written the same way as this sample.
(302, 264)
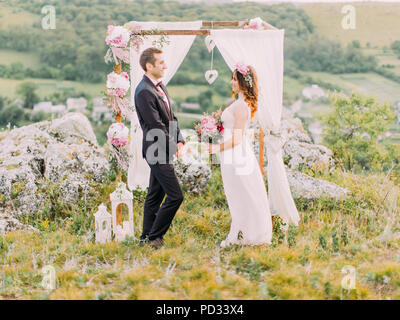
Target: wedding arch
(254, 42)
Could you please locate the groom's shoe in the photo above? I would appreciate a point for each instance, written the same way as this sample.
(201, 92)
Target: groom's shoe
(143, 241)
(157, 243)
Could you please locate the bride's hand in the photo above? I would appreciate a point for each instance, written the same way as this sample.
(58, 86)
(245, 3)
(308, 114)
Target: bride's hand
(213, 148)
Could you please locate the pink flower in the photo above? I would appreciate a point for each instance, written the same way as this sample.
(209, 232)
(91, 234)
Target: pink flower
(242, 68)
(118, 134)
(117, 36)
(125, 75)
(256, 23)
(210, 124)
(120, 92)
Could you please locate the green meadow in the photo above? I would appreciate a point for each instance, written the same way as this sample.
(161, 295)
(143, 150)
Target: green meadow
(305, 262)
(376, 22)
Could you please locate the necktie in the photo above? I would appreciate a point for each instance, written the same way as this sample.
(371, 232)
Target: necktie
(164, 97)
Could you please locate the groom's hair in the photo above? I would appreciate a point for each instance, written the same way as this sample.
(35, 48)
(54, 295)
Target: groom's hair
(148, 56)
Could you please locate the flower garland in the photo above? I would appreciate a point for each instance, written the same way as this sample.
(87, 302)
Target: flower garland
(120, 39)
(118, 140)
(254, 24)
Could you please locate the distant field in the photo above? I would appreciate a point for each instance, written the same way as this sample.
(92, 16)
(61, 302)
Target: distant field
(12, 17)
(365, 83)
(48, 86)
(386, 57)
(28, 59)
(377, 23)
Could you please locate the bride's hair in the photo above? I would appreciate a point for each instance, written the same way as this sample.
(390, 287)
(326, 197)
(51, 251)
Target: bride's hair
(250, 92)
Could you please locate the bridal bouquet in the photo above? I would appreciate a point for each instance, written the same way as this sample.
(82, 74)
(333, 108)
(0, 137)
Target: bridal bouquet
(118, 139)
(210, 128)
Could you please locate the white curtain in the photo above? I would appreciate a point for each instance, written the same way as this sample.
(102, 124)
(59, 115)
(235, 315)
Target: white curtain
(263, 49)
(174, 53)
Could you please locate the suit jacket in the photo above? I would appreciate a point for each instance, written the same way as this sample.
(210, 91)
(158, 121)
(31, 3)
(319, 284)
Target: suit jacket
(160, 127)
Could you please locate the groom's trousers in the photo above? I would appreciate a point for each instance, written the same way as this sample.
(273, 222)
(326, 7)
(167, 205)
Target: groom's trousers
(156, 219)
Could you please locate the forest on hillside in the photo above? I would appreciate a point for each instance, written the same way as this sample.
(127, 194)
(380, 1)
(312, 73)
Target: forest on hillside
(75, 49)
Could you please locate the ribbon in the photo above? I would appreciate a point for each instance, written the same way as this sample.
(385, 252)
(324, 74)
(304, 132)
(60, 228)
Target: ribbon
(121, 105)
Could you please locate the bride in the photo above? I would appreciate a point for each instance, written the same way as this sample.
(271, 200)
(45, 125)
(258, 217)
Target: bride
(242, 179)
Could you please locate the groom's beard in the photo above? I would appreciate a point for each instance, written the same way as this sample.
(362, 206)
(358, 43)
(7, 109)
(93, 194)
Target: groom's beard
(157, 75)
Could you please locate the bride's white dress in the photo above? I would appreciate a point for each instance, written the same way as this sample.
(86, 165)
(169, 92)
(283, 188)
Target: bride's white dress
(244, 188)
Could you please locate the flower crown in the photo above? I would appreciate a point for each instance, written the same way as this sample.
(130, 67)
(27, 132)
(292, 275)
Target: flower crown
(244, 70)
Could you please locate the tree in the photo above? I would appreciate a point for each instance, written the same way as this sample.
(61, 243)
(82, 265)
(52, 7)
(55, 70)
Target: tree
(205, 99)
(354, 128)
(12, 115)
(27, 90)
(3, 102)
(396, 46)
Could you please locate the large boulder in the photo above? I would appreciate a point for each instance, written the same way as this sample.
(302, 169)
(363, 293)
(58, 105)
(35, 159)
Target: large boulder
(306, 187)
(63, 151)
(298, 150)
(299, 155)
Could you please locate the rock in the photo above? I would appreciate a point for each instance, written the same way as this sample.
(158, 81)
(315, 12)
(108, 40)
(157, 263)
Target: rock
(192, 173)
(300, 155)
(8, 224)
(309, 188)
(63, 151)
(292, 129)
(298, 151)
(74, 127)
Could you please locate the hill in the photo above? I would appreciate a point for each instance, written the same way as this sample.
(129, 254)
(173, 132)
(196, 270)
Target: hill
(376, 22)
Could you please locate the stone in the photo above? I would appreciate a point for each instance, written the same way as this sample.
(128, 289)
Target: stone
(309, 188)
(63, 151)
(300, 155)
(8, 224)
(192, 173)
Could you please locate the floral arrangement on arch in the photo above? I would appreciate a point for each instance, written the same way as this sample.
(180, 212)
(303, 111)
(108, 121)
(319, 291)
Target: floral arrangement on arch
(120, 39)
(254, 24)
(118, 140)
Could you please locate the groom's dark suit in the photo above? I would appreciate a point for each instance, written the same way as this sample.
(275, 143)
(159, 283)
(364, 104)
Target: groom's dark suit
(160, 137)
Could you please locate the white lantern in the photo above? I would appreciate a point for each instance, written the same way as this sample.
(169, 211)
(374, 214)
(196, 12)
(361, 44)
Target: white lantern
(121, 195)
(102, 222)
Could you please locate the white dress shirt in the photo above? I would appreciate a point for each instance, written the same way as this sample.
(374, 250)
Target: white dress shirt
(161, 91)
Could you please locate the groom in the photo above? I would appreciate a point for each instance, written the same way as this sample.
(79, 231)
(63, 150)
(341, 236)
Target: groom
(161, 141)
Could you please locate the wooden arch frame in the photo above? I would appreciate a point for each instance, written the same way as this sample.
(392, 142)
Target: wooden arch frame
(205, 32)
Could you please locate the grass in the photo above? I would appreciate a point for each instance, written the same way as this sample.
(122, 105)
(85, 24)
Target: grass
(16, 17)
(366, 83)
(48, 86)
(305, 263)
(377, 23)
(28, 59)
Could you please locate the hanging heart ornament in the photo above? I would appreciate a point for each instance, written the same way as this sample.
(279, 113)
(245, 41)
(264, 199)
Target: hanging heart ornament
(210, 44)
(211, 76)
